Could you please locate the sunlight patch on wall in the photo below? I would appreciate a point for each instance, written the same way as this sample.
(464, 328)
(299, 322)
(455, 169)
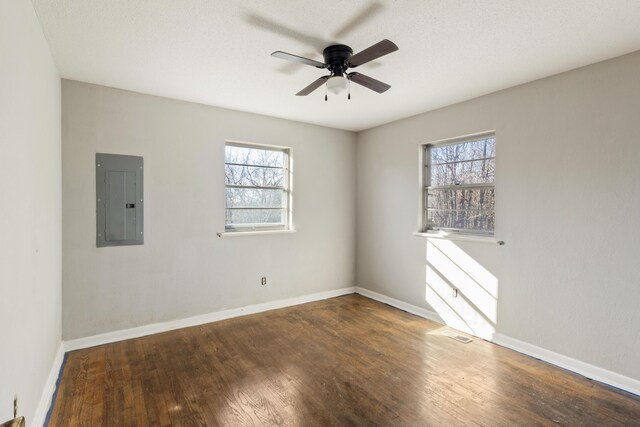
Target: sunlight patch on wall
(449, 270)
(446, 312)
(470, 266)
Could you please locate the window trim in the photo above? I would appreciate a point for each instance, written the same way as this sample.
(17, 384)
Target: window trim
(424, 177)
(287, 188)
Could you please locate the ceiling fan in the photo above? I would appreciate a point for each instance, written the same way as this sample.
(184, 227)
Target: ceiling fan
(338, 58)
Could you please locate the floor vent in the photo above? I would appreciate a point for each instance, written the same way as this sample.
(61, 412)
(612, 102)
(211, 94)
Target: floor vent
(457, 337)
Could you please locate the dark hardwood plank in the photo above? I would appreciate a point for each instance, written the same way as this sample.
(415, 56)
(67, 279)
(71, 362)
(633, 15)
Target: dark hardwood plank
(339, 362)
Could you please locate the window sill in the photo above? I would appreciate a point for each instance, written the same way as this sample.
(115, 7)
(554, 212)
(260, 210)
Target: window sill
(460, 237)
(226, 234)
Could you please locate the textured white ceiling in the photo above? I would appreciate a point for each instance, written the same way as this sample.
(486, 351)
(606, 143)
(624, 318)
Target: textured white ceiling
(218, 52)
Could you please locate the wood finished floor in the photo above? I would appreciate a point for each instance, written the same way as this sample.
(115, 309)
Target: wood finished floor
(346, 361)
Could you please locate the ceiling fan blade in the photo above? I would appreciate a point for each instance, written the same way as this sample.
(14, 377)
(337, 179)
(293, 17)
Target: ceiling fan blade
(366, 14)
(299, 59)
(372, 52)
(368, 82)
(280, 29)
(313, 86)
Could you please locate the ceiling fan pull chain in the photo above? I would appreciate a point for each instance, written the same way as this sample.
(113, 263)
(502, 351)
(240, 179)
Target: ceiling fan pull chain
(326, 85)
(349, 82)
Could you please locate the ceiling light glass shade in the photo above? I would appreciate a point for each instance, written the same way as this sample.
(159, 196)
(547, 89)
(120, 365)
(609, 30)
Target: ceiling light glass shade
(337, 84)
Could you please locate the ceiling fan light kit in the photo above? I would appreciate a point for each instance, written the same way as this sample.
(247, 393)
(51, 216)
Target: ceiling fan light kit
(338, 58)
(337, 84)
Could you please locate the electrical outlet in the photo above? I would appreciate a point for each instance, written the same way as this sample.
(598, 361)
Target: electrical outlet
(263, 281)
(455, 293)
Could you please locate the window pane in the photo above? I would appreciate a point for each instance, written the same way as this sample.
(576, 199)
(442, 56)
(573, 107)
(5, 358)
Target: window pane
(471, 150)
(474, 172)
(463, 220)
(263, 198)
(263, 217)
(462, 164)
(254, 156)
(254, 176)
(462, 199)
(255, 198)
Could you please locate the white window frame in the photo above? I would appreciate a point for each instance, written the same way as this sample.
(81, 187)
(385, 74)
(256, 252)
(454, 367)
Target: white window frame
(287, 188)
(425, 181)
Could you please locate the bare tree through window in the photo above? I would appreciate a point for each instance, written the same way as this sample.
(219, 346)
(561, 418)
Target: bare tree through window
(460, 185)
(257, 187)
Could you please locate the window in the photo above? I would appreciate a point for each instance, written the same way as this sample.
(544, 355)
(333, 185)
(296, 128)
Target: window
(459, 185)
(258, 184)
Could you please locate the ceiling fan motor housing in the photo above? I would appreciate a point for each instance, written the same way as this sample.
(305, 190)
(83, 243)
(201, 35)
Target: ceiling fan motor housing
(336, 57)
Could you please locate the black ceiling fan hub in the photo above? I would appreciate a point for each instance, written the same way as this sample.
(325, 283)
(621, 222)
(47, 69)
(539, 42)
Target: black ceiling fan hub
(336, 56)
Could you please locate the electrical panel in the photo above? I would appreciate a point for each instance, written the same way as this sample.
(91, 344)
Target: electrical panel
(119, 200)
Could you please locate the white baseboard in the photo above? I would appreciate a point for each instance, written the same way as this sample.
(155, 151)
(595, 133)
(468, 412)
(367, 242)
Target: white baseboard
(410, 308)
(48, 390)
(590, 371)
(155, 328)
(605, 376)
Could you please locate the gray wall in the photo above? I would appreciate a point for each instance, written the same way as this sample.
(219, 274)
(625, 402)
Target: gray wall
(183, 268)
(30, 209)
(568, 206)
